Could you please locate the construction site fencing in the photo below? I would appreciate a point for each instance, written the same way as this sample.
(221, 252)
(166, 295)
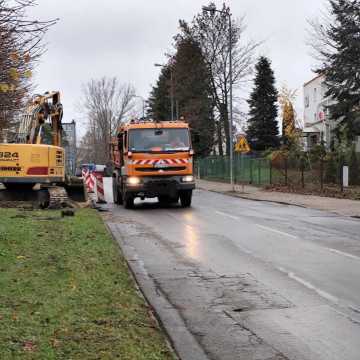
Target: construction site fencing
(250, 170)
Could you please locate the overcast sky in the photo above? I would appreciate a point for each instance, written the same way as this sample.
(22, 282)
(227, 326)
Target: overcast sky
(124, 38)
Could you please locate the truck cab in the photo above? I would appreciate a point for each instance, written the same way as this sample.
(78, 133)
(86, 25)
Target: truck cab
(153, 159)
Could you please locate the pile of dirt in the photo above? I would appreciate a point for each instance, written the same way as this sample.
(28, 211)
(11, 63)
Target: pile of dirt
(16, 205)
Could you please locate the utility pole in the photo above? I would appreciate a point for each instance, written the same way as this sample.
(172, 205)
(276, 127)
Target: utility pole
(231, 107)
(172, 94)
(177, 110)
(143, 104)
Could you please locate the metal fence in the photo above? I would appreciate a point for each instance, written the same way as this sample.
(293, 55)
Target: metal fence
(302, 173)
(247, 169)
(320, 174)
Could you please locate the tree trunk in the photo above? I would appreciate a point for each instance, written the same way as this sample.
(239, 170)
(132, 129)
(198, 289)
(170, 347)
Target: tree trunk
(224, 118)
(220, 138)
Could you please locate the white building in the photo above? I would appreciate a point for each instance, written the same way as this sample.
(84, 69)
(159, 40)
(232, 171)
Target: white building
(317, 123)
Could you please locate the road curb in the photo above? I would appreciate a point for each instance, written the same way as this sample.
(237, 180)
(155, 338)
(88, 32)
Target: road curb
(181, 340)
(238, 195)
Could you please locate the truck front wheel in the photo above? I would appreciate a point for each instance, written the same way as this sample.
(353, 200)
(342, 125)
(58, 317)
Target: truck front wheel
(185, 198)
(119, 198)
(167, 200)
(128, 201)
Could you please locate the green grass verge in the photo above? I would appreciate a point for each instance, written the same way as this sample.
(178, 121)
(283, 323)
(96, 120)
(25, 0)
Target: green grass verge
(66, 293)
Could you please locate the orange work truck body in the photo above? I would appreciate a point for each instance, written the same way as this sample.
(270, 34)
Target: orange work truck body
(153, 159)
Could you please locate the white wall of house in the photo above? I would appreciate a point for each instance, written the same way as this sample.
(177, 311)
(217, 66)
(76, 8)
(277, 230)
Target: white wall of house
(317, 126)
(314, 95)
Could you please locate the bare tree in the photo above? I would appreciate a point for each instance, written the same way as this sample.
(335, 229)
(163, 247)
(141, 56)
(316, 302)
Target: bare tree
(107, 104)
(318, 40)
(211, 31)
(20, 48)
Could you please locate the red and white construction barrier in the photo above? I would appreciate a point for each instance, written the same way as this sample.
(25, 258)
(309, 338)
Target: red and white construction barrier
(89, 180)
(94, 185)
(100, 194)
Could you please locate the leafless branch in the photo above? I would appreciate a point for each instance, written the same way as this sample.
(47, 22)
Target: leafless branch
(21, 45)
(106, 104)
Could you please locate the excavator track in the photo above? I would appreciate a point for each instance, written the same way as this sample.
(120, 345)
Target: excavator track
(52, 197)
(58, 197)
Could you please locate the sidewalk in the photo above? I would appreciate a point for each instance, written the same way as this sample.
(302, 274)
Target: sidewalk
(339, 206)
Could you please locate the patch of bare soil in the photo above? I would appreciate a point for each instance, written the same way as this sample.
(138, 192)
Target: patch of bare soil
(351, 193)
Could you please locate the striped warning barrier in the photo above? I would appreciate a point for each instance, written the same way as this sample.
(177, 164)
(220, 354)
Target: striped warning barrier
(89, 180)
(100, 189)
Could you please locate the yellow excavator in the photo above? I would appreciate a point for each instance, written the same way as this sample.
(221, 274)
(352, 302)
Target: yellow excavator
(32, 166)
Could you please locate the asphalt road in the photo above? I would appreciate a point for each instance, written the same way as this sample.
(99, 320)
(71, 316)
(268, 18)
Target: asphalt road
(253, 280)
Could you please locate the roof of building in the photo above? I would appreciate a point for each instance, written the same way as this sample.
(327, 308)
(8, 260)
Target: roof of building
(313, 79)
(312, 129)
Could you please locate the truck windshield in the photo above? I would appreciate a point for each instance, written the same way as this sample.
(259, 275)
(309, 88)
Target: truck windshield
(159, 140)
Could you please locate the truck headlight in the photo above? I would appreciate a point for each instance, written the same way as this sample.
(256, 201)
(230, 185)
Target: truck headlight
(133, 180)
(188, 178)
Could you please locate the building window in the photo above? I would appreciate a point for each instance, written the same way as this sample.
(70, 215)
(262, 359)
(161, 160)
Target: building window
(315, 94)
(313, 140)
(307, 102)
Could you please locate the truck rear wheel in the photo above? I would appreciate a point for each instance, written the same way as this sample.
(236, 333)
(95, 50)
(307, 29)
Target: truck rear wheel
(185, 198)
(118, 199)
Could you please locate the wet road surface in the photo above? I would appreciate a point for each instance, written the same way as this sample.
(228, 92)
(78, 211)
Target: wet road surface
(253, 280)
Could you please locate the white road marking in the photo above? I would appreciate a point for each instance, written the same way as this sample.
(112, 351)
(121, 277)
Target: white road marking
(258, 225)
(354, 257)
(310, 286)
(276, 231)
(227, 215)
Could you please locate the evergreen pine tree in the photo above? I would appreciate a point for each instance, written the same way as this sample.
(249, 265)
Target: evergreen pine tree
(192, 89)
(192, 94)
(159, 103)
(263, 131)
(342, 65)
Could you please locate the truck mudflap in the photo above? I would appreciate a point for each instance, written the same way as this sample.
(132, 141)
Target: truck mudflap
(150, 187)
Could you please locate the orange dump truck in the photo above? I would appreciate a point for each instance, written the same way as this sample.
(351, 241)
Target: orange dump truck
(153, 159)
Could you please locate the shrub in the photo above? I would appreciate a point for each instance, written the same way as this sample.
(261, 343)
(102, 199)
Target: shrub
(331, 169)
(317, 152)
(354, 170)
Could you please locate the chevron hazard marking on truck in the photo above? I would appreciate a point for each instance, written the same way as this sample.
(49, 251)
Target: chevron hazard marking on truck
(158, 161)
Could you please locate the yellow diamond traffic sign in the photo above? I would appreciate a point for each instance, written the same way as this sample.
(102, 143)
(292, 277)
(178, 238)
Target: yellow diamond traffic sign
(242, 145)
